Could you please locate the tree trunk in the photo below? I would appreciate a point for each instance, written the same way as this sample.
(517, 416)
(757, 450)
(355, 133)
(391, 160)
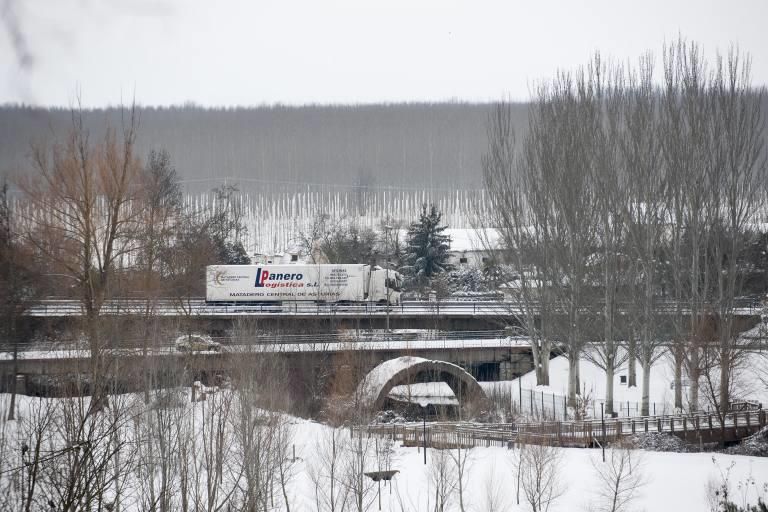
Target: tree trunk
(14, 377)
(573, 378)
(536, 353)
(725, 378)
(694, 372)
(15, 343)
(632, 362)
(546, 350)
(99, 395)
(645, 405)
(609, 376)
(678, 361)
(146, 374)
(461, 479)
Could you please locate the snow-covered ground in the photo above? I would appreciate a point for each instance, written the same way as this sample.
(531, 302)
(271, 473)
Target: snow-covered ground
(675, 482)
(750, 384)
(672, 481)
(592, 379)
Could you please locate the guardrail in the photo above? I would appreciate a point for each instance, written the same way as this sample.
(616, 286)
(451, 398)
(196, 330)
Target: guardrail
(198, 307)
(309, 342)
(201, 308)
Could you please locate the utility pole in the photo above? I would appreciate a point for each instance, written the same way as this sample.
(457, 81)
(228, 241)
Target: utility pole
(387, 229)
(424, 436)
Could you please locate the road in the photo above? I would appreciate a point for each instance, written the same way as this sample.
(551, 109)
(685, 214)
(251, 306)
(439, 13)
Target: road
(270, 343)
(197, 307)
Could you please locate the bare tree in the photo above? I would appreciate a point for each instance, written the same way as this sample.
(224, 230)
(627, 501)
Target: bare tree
(264, 438)
(215, 470)
(644, 212)
(443, 478)
(713, 151)
(619, 479)
(325, 471)
(686, 149)
(93, 455)
(610, 192)
(540, 476)
(348, 243)
(310, 240)
(462, 462)
(19, 280)
(495, 497)
(158, 462)
(564, 150)
(85, 196)
(162, 203)
(523, 235)
(286, 460)
(356, 459)
(738, 171)
(33, 447)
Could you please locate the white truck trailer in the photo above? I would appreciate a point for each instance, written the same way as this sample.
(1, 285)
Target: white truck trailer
(315, 283)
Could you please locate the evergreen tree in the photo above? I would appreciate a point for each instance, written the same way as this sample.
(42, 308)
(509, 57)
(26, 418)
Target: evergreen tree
(426, 250)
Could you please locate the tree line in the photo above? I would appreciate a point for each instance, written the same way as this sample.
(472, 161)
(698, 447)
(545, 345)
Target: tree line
(627, 196)
(277, 148)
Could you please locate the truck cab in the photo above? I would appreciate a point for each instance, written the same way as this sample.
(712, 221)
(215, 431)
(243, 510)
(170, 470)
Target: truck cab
(385, 286)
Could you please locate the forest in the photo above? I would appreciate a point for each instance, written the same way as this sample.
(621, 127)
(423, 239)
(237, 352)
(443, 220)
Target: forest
(277, 148)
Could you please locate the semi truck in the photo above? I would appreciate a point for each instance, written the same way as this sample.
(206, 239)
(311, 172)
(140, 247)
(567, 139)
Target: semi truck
(322, 283)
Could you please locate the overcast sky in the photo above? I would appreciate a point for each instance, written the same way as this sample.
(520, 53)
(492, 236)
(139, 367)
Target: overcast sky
(250, 52)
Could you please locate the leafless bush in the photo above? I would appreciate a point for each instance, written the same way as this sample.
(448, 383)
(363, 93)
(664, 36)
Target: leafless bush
(92, 455)
(620, 479)
(256, 434)
(214, 451)
(325, 471)
(495, 497)
(539, 475)
(23, 457)
(443, 478)
(356, 460)
(157, 453)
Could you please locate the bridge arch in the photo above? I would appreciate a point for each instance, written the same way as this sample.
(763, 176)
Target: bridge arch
(378, 383)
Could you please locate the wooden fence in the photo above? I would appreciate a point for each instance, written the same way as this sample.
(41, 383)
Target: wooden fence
(692, 428)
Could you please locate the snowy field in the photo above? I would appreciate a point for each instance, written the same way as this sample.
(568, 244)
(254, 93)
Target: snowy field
(298, 453)
(671, 481)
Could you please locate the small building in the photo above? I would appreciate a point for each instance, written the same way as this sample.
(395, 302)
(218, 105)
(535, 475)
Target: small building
(471, 247)
(293, 255)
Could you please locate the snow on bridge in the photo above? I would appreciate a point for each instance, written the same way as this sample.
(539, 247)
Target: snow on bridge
(376, 386)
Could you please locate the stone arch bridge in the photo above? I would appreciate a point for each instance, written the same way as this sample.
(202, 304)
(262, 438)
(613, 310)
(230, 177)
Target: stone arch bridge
(377, 384)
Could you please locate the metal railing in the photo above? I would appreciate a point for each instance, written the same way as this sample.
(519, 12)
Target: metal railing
(698, 427)
(199, 307)
(430, 339)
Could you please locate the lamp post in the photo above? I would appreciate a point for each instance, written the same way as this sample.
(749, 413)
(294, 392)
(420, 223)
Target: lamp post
(602, 421)
(424, 433)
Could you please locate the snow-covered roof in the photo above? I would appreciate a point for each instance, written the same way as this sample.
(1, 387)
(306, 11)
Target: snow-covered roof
(468, 239)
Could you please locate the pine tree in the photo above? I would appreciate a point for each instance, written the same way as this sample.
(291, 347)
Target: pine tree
(426, 250)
